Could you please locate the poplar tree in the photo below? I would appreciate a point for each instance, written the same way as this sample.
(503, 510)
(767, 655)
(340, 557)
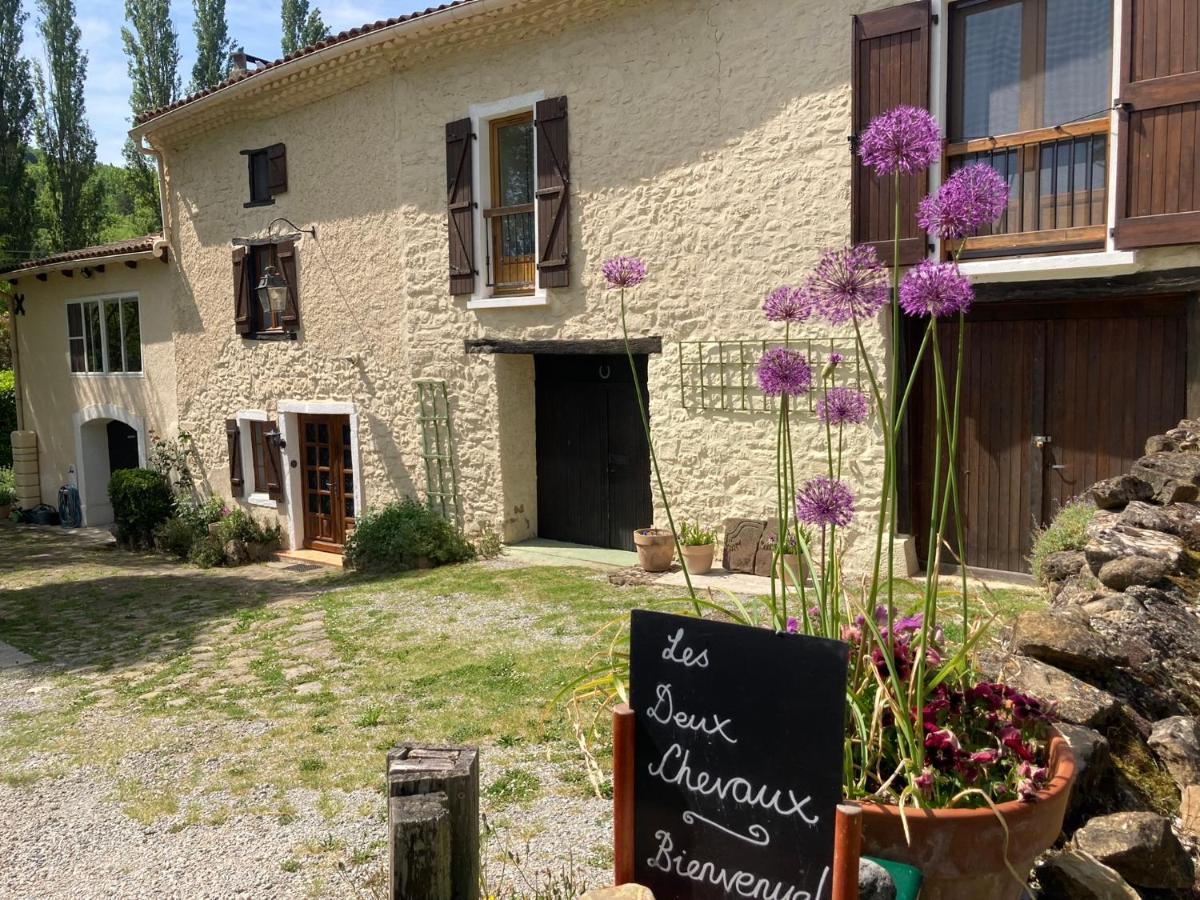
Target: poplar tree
(213, 45)
(152, 51)
(63, 132)
(16, 119)
(301, 28)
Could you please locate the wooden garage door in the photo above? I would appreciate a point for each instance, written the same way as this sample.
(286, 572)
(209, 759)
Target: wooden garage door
(1055, 397)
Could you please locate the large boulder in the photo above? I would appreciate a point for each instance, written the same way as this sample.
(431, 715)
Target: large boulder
(1071, 874)
(1126, 571)
(1184, 437)
(1115, 493)
(1176, 743)
(1093, 767)
(1111, 540)
(1077, 701)
(1179, 519)
(1062, 564)
(1065, 641)
(1174, 477)
(1141, 847)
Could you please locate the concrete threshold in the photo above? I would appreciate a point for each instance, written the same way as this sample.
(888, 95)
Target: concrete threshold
(545, 552)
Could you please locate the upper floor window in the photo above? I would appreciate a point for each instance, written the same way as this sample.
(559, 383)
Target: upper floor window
(254, 318)
(268, 174)
(104, 335)
(1019, 65)
(510, 228)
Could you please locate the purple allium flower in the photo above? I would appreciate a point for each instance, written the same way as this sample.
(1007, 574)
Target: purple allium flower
(935, 289)
(904, 139)
(824, 501)
(972, 197)
(842, 406)
(784, 372)
(847, 284)
(623, 272)
(787, 304)
(793, 625)
(835, 358)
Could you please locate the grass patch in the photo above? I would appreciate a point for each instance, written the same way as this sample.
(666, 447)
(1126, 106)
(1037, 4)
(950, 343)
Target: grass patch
(515, 785)
(1068, 531)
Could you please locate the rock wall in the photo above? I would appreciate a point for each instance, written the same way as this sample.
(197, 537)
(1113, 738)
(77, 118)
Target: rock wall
(1119, 649)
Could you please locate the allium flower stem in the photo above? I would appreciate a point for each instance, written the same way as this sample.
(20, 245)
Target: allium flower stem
(662, 491)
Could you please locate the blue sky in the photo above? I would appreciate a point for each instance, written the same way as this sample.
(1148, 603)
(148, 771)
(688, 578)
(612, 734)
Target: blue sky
(255, 25)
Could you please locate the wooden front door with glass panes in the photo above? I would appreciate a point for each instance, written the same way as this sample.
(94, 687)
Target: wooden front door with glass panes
(327, 475)
(510, 218)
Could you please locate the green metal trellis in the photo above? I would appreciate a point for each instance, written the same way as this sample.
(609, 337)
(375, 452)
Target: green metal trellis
(437, 449)
(719, 375)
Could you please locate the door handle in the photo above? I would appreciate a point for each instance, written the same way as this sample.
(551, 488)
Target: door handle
(1058, 466)
(1041, 440)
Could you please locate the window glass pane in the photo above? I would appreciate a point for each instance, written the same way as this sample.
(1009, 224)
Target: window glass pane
(74, 320)
(133, 335)
(991, 71)
(514, 163)
(78, 355)
(1078, 61)
(258, 447)
(93, 337)
(112, 335)
(258, 177)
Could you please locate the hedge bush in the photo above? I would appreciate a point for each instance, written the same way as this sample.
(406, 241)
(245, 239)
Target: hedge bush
(404, 535)
(8, 417)
(141, 501)
(241, 526)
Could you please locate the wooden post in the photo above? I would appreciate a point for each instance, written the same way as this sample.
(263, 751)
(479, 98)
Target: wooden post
(847, 848)
(623, 793)
(433, 799)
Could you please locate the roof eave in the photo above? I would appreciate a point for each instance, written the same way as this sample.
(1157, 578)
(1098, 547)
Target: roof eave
(90, 262)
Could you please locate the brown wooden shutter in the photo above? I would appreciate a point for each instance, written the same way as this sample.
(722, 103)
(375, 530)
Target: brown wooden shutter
(1158, 136)
(242, 319)
(890, 68)
(237, 481)
(460, 205)
(285, 251)
(273, 457)
(553, 198)
(277, 168)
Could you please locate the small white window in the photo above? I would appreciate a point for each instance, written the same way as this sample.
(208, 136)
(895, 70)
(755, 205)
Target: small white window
(104, 335)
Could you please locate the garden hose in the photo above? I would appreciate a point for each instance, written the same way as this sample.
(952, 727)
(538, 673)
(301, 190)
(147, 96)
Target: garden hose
(69, 514)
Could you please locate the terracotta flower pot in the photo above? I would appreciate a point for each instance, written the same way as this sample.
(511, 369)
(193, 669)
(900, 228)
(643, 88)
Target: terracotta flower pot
(790, 567)
(655, 548)
(699, 558)
(960, 852)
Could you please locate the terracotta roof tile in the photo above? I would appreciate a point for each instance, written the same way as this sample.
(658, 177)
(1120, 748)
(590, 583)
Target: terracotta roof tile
(116, 248)
(320, 45)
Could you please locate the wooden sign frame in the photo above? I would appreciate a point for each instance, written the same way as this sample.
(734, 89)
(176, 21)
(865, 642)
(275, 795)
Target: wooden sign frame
(847, 846)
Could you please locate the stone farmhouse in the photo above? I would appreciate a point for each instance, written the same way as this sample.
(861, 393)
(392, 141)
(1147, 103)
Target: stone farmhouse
(430, 199)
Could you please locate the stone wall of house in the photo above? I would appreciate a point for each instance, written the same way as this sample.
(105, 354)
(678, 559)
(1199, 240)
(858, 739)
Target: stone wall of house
(700, 139)
(1119, 650)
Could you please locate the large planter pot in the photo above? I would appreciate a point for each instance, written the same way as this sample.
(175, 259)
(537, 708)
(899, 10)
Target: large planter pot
(655, 548)
(699, 559)
(960, 852)
(790, 567)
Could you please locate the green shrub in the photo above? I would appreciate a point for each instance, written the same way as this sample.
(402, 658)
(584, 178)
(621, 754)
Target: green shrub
(402, 536)
(8, 417)
(241, 526)
(176, 537)
(1068, 531)
(188, 526)
(8, 487)
(199, 514)
(206, 553)
(141, 501)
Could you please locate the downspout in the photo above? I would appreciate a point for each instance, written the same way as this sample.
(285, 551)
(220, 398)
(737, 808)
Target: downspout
(148, 150)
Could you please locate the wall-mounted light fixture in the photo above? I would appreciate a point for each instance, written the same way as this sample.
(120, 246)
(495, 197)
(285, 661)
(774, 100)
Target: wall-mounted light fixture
(272, 293)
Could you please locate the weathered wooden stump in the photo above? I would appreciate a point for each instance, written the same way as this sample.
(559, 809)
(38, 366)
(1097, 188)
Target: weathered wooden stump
(433, 822)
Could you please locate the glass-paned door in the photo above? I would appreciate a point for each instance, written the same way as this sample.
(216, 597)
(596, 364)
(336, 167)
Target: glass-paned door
(327, 474)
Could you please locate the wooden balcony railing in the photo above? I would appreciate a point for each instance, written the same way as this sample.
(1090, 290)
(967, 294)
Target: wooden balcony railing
(1057, 188)
(511, 257)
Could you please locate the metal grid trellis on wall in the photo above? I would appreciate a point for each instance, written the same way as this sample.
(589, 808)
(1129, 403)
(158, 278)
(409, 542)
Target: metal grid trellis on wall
(719, 375)
(437, 449)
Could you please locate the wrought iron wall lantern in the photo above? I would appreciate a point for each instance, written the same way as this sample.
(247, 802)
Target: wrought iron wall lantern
(272, 293)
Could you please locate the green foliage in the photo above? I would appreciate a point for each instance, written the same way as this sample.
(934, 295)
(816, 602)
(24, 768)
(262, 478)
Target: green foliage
(8, 487)
(141, 501)
(692, 534)
(175, 537)
(301, 28)
(171, 457)
(16, 120)
(239, 525)
(402, 536)
(207, 553)
(487, 543)
(8, 416)
(1068, 531)
(514, 785)
(188, 527)
(213, 44)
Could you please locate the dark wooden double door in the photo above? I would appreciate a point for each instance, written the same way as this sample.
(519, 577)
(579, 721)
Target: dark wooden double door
(593, 461)
(327, 480)
(1055, 397)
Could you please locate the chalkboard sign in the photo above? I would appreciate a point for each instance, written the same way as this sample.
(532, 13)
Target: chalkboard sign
(738, 758)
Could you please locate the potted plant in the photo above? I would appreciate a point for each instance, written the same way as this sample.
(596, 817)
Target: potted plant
(655, 548)
(698, 546)
(790, 567)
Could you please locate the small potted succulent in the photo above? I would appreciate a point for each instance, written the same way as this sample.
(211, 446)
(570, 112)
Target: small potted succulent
(698, 544)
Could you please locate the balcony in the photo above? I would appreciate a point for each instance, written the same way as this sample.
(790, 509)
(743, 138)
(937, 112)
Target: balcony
(512, 267)
(1057, 188)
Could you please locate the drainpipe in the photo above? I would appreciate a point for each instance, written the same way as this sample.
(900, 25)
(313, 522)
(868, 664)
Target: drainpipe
(148, 150)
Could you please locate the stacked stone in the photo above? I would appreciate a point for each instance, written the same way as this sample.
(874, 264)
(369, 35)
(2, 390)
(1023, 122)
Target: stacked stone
(1119, 650)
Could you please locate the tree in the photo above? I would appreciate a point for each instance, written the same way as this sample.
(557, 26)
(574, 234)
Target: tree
(62, 129)
(16, 119)
(152, 50)
(213, 45)
(301, 28)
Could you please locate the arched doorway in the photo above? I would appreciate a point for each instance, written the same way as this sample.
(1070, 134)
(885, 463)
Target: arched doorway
(107, 439)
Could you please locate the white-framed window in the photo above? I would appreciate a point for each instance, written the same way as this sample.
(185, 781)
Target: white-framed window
(252, 432)
(505, 164)
(104, 335)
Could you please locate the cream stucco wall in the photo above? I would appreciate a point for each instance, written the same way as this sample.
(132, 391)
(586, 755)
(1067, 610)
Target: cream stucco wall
(57, 403)
(708, 138)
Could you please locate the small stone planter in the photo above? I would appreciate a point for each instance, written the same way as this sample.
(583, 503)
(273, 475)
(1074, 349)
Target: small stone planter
(698, 558)
(655, 548)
